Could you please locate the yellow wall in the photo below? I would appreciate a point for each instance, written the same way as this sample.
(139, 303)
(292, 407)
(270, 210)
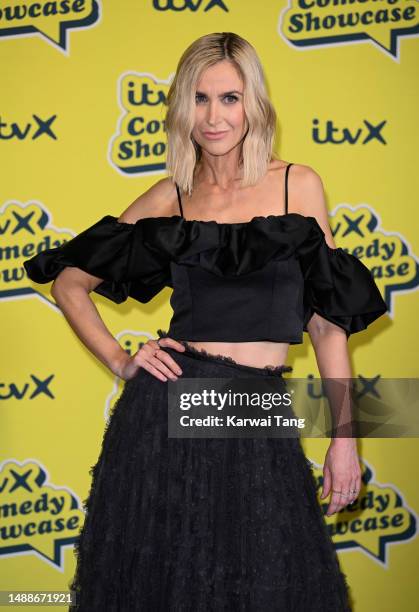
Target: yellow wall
(70, 88)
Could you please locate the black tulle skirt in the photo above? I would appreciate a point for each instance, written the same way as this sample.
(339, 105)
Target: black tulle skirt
(201, 525)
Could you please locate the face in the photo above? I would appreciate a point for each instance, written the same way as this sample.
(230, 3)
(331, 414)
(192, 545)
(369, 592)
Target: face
(220, 121)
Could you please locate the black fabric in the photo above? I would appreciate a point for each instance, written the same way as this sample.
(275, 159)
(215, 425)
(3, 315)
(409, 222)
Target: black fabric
(137, 260)
(340, 288)
(268, 303)
(115, 252)
(202, 525)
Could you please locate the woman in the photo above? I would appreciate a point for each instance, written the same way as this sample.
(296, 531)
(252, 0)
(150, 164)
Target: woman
(214, 524)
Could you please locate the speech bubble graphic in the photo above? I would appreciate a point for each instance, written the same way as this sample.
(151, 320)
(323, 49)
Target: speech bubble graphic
(140, 141)
(35, 515)
(388, 255)
(316, 23)
(51, 20)
(379, 517)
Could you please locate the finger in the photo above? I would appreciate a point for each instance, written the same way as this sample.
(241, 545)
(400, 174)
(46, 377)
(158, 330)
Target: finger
(327, 479)
(346, 487)
(353, 496)
(150, 347)
(357, 482)
(160, 365)
(171, 342)
(346, 500)
(337, 501)
(151, 353)
(154, 371)
(145, 358)
(357, 487)
(350, 498)
(169, 361)
(334, 504)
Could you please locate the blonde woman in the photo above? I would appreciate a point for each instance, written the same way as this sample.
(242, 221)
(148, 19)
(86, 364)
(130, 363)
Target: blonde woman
(243, 238)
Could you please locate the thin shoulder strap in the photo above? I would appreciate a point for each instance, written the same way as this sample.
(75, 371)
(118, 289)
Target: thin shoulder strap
(179, 199)
(286, 187)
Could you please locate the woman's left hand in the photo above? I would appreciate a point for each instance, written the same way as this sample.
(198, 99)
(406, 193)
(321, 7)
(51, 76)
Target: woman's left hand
(341, 474)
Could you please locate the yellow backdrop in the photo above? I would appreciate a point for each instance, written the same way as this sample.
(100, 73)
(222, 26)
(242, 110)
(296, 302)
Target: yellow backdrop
(82, 134)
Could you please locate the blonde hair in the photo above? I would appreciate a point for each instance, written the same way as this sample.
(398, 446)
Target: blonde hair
(183, 153)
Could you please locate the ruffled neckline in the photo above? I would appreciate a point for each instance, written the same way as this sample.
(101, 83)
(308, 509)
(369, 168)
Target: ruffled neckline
(268, 220)
(258, 218)
(223, 248)
(135, 259)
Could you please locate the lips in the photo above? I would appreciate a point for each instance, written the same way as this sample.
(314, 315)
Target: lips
(214, 135)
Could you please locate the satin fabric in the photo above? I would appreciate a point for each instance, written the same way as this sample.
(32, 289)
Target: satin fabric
(136, 260)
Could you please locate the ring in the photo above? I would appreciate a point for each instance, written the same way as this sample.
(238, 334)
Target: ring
(158, 346)
(341, 493)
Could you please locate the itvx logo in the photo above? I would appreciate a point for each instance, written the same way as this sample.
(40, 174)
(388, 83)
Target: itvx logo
(330, 133)
(139, 146)
(379, 517)
(315, 23)
(51, 20)
(30, 130)
(32, 389)
(36, 517)
(189, 5)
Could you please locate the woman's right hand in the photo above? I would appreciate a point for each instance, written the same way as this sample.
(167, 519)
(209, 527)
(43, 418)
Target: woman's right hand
(154, 359)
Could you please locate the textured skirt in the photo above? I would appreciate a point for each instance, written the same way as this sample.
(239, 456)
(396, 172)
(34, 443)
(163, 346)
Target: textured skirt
(201, 524)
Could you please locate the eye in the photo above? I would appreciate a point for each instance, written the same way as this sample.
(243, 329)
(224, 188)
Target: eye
(202, 98)
(199, 97)
(232, 97)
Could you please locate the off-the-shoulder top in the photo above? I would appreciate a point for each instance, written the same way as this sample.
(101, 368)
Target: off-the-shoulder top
(232, 282)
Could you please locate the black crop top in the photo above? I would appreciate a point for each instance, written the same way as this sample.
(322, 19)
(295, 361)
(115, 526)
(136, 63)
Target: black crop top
(232, 282)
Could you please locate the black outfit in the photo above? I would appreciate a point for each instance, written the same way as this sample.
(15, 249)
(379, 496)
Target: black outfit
(232, 282)
(210, 524)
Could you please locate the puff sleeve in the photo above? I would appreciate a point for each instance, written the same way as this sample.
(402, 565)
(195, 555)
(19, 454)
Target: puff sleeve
(340, 288)
(111, 250)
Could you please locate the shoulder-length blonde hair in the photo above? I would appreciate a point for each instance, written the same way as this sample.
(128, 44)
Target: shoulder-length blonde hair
(183, 152)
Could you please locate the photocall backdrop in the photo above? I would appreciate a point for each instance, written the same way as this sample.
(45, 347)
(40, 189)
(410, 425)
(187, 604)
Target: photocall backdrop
(82, 134)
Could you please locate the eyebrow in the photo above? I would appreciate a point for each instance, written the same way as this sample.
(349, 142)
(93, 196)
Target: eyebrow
(226, 93)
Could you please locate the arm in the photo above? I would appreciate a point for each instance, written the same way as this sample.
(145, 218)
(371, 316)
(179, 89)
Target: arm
(342, 471)
(71, 291)
(72, 286)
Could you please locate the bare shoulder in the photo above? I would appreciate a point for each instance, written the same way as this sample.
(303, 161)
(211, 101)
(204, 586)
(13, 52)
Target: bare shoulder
(277, 164)
(306, 196)
(160, 200)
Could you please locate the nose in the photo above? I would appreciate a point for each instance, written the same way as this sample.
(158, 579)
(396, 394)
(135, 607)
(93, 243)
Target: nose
(213, 112)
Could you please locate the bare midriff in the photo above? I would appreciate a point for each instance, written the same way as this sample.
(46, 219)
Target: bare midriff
(256, 354)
